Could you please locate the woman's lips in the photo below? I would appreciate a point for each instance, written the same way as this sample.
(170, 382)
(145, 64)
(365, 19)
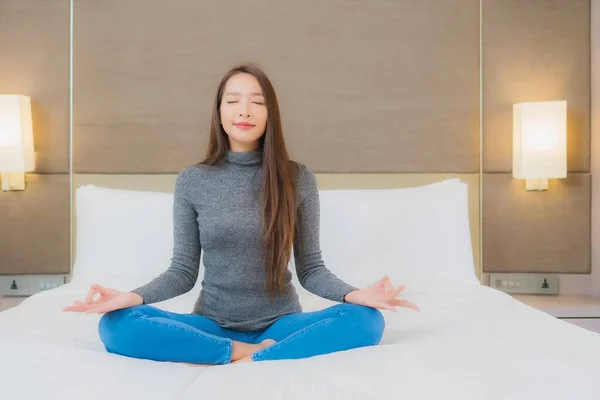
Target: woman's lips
(244, 126)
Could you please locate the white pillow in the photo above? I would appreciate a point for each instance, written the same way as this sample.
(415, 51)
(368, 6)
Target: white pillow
(122, 234)
(128, 235)
(414, 235)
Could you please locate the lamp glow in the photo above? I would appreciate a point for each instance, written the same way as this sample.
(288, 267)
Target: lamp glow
(16, 141)
(539, 142)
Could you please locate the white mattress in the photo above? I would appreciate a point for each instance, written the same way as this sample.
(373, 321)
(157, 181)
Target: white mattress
(468, 342)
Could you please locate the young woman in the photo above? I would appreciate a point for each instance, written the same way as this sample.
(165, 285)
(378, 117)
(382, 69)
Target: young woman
(246, 205)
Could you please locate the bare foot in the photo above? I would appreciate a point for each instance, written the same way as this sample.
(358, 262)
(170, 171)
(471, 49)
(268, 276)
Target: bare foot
(248, 358)
(261, 345)
(266, 343)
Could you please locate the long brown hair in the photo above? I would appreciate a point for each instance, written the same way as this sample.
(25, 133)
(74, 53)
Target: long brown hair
(279, 179)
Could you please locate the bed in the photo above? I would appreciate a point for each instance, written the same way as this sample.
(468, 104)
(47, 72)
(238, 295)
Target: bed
(468, 342)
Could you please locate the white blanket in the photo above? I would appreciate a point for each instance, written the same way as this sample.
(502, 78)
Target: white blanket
(468, 342)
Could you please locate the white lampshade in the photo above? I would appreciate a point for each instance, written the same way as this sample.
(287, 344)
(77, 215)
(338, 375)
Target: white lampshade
(16, 134)
(540, 140)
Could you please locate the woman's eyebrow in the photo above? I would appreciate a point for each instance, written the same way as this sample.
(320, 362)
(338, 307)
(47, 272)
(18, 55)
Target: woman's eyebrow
(238, 94)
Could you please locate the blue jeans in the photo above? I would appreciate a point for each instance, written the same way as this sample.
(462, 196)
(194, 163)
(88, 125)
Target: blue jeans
(148, 332)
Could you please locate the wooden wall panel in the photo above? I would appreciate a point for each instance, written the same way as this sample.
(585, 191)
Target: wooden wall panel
(364, 87)
(34, 228)
(34, 61)
(526, 231)
(535, 51)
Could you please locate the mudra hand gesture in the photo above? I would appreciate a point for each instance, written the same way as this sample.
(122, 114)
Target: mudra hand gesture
(381, 295)
(109, 300)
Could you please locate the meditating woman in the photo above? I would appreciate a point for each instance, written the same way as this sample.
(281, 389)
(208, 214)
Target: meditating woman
(246, 205)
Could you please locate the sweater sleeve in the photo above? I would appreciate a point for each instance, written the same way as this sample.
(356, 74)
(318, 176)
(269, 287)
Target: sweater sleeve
(310, 268)
(182, 274)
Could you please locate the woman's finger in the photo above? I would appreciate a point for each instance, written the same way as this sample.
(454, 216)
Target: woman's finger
(81, 304)
(77, 306)
(405, 303)
(385, 306)
(89, 298)
(99, 288)
(102, 308)
(388, 286)
(398, 290)
(381, 281)
(391, 308)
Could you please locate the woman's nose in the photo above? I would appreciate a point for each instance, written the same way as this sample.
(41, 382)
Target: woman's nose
(244, 110)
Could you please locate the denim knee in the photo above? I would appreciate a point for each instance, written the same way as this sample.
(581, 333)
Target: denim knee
(369, 319)
(110, 327)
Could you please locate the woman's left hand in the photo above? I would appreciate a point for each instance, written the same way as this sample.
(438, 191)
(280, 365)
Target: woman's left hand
(380, 295)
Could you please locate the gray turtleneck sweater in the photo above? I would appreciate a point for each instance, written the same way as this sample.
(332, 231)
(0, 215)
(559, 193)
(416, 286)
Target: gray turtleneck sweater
(217, 209)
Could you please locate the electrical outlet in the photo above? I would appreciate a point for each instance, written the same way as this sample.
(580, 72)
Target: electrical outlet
(26, 285)
(525, 283)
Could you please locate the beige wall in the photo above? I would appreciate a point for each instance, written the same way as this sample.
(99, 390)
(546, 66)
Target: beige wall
(382, 86)
(536, 51)
(34, 61)
(595, 41)
(405, 79)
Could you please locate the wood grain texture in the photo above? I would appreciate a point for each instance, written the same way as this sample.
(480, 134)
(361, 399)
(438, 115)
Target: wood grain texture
(526, 231)
(380, 87)
(34, 61)
(535, 51)
(34, 235)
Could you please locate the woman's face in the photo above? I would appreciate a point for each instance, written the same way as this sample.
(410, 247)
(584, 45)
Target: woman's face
(243, 112)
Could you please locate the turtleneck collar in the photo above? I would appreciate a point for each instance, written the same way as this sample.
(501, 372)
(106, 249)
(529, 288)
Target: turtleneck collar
(245, 157)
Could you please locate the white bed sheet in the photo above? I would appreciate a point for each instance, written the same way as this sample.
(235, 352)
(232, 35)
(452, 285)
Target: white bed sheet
(468, 342)
(49, 354)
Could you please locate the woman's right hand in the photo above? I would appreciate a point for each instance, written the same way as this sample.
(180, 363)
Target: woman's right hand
(109, 300)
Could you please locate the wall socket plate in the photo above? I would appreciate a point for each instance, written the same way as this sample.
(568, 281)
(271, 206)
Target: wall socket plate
(515, 283)
(27, 285)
